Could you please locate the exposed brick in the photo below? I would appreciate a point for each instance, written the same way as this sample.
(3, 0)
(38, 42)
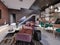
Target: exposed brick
(4, 13)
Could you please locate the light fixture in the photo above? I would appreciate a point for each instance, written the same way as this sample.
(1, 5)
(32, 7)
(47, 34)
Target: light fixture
(51, 7)
(56, 10)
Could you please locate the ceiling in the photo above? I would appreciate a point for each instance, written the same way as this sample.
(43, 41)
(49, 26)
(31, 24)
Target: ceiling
(30, 4)
(43, 4)
(18, 4)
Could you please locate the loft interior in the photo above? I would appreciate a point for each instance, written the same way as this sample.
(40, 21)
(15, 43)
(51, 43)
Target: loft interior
(30, 22)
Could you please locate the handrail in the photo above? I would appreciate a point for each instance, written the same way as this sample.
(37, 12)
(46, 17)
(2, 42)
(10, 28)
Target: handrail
(27, 19)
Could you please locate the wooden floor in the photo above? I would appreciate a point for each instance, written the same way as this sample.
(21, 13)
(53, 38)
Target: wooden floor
(9, 40)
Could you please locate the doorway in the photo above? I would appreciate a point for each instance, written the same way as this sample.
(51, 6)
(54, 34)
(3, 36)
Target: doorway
(13, 18)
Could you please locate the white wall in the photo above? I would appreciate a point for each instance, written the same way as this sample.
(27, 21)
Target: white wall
(11, 18)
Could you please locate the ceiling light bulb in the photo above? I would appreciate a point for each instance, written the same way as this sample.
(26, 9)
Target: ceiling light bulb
(51, 7)
(55, 10)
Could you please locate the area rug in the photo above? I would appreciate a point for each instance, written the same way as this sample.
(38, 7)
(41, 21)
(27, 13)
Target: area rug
(9, 40)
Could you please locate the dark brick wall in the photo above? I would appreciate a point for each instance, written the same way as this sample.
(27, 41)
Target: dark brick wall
(4, 13)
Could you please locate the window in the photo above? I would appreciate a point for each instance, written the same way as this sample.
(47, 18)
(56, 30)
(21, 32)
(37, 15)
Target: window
(0, 14)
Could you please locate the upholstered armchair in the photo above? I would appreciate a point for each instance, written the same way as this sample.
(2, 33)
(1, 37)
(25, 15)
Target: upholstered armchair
(25, 34)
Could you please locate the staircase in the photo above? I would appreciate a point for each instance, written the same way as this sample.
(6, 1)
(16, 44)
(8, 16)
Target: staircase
(26, 19)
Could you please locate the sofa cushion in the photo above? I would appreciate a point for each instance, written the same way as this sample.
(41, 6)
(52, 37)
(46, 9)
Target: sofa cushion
(27, 27)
